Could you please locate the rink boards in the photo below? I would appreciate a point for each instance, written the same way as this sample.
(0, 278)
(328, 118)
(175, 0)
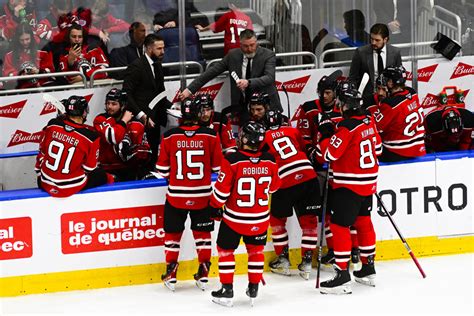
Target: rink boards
(113, 235)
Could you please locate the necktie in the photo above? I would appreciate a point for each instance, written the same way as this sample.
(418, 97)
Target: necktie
(248, 71)
(379, 62)
(158, 74)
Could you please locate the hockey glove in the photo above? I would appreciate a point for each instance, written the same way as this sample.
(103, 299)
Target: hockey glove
(215, 213)
(326, 127)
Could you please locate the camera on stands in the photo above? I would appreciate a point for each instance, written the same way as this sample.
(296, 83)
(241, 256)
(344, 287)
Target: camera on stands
(84, 66)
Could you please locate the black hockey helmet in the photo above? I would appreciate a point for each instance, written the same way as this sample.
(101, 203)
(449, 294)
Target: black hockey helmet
(396, 74)
(116, 95)
(260, 98)
(350, 99)
(452, 122)
(273, 119)
(76, 106)
(205, 101)
(252, 135)
(326, 83)
(190, 110)
(345, 86)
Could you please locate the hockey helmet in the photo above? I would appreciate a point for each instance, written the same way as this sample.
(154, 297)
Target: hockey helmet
(205, 101)
(116, 95)
(326, 83)
(259, 98)
(396, 74)
(76, 106)
(190, 110)
(252, 135)
(452, 123)
(273, 119)
(350, 99)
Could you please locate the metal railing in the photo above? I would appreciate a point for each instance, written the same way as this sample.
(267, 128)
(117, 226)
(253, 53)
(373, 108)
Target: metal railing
(46, 88)
(289, 67)
(452, 31)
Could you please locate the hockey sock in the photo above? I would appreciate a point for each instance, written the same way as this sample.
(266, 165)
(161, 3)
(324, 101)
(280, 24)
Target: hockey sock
(309, 227)
(279, 234)
(226, 265)
(354, 238)
(255, 262)
(203, 245)
(328, 232)
(342, 245)
(172, 241)
(366, 236)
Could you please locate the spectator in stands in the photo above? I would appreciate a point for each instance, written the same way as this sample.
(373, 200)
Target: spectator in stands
(396, 14)
(354, 24)
(144, 80)
(80, 57)
(255, 67)
(48, 29)
(123, 144)
(26, 59)
(231, 23)
(14, 12)
(104, 23)
(373, 58)
(67, 158)
(123, 56)
(449, 128)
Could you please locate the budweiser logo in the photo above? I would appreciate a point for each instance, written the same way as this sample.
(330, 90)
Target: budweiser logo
(22, 137)
(433, 100)
(12, 110)
(211, 90)
(50, 108)
(424, 74)
(462, 70)
(295, 85)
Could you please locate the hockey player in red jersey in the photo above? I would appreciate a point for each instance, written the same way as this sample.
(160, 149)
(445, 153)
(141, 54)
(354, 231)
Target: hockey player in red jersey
(217, 122)
(299, 190)
(188, 155)
(400, 119)
(449, 128)
(352, 154)
(67, 158)
(246, 179)
(123, 144)
(80, 57)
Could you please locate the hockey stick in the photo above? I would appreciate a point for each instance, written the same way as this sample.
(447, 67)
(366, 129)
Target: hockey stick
(323, 219)
(55, 102)
(363, 83)
(154, 102)
(401, 236)
(287, 99)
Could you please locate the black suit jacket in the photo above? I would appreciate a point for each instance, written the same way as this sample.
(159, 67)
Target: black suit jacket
(141, 88)
(363, 62)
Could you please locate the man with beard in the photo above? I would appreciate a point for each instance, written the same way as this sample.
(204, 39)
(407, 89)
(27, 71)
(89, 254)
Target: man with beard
(143, 81)
(255, 68)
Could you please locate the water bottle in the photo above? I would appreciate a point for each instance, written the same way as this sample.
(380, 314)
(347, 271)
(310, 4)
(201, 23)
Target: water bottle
(443, 97)
(22, 15)
(459, 96)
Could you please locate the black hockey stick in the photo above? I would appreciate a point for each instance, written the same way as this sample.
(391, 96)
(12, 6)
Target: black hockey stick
(323, 219)
(400, 235)
(287, 99)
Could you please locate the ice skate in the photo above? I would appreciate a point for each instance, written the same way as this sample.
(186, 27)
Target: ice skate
(169, 277)
(201, 276)
(366, 275)
(340, 284)
(224, 296)
(306, 264)
(252, 292)
(281, 264)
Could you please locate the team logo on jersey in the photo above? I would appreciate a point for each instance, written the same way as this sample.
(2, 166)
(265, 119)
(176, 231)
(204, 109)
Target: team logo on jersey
(298, 176)
(254, 159)
(22, 137)
(12, 110)
(294, 85)
(189, 133)
(68, 128)
(189, 203)
(462, 70)
(254, 229)
(424, 74)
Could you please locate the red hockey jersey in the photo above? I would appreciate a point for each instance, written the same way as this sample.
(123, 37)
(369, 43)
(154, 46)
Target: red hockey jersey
(67, 152)
(352, 152)
(288, 147)
(9, 22)
(96, 60)
(232, 23)
(399, 119)
(243, 185)
(222, 127)
(188, 156)
(43, 61)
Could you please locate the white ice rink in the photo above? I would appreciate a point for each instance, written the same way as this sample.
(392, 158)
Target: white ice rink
(400, 290)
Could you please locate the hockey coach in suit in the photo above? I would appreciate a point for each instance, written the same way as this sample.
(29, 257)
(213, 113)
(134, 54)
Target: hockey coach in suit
(369, 58)
(255, 67)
